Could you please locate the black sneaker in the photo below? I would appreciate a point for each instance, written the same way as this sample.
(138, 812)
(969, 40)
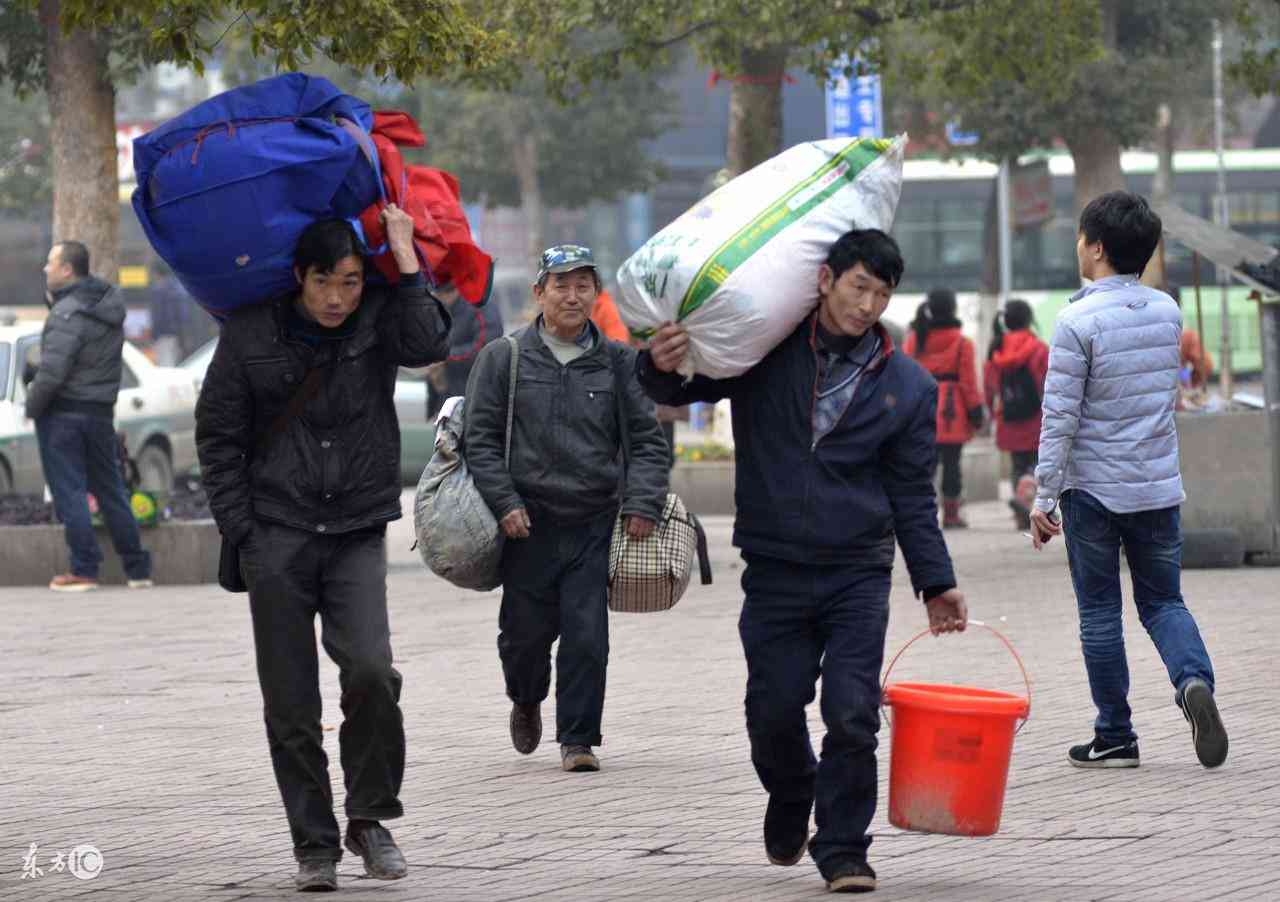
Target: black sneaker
(1100, 754)
(786, 830)
(526, 727)
(316, 876)
(1207, 731)
(850, 877)
(383, 859)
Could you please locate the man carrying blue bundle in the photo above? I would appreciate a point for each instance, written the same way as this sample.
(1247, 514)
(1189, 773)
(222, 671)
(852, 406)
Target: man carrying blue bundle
(299, 450)
(834, 435)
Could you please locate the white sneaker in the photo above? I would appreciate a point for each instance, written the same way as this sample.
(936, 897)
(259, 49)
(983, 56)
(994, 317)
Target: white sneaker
(141, 584)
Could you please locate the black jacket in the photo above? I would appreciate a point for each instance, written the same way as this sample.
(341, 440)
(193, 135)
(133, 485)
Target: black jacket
(335, 468)
(80, 351)
(844, 499)
(566, 462)
(473, 328)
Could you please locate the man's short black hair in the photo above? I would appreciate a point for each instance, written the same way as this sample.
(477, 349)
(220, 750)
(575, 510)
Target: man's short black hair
(1127, 227)
(75, 255)
(323, 244)
(872, 248)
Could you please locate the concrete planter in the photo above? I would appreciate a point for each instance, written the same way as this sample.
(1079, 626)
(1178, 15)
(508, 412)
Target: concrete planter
(182, 553)
(707, 487)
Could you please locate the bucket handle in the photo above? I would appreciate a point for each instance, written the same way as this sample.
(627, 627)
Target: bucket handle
(999, 635)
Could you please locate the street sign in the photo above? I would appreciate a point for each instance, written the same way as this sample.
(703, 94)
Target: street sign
(855, 108)
(958, 138)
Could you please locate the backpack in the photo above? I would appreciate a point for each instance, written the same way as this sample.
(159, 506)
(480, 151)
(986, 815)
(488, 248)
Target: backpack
(1019, 396)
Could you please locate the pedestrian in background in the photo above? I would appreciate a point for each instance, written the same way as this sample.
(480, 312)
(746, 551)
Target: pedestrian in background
(937, 342)
(1017, 363)
(1109, 456)
(72, 399)
(473, 328)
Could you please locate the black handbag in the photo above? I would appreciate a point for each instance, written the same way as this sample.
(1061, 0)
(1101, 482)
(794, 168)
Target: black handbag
(230, 576)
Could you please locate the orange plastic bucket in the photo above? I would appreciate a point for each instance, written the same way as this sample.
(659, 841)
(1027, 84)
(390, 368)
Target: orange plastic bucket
(950, 751)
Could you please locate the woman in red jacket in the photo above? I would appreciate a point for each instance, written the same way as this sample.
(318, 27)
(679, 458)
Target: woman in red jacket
(937, 343)
(1014, 380)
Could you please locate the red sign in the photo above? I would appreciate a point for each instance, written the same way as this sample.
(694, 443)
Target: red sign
(1032, 188)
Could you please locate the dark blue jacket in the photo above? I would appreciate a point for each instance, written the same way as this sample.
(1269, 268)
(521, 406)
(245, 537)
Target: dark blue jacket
(844, 499)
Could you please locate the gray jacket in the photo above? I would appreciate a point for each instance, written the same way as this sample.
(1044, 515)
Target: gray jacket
(80, 351)
(1109, 398)
(566, 462)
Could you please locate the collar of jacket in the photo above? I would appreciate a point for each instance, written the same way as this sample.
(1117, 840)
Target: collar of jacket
(532, 338)
(886, 343)
(1108, 283)
(280, 315)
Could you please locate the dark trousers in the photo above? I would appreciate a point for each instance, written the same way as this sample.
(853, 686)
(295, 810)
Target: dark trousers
(556, 583)
(79, 455)
(1023, 464)
(798, 622)
(1152, 542)
(949, 460)
(292, 576)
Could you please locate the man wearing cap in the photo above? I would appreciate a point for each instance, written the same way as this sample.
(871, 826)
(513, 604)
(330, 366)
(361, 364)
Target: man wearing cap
(558, 497)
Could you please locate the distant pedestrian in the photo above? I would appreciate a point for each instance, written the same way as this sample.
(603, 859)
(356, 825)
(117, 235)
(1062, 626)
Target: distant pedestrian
(1109, 455)
(937, 341)
(72, 400)
(1017, 363)
(473, 328)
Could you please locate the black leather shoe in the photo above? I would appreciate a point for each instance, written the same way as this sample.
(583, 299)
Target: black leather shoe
(526, 727)
(316, 876)
(373, 843)
(786, 830)
(850, 877)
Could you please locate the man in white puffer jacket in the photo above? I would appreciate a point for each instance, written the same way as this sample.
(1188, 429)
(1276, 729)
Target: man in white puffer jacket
(1109, 456)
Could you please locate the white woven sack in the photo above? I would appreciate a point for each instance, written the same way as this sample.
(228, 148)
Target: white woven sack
(650, 575)
(740, 268)
(458, 536)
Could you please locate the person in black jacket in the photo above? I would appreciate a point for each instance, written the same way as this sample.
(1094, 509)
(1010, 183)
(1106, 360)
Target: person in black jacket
(299, 451)
(834, 436)
(72, 400)
(473, 328)
(559, 497)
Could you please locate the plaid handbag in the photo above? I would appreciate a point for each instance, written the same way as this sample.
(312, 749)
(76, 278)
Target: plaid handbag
(651, 574)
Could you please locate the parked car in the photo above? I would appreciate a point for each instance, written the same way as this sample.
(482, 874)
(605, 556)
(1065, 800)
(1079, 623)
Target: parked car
(417, 436)
(155, 410)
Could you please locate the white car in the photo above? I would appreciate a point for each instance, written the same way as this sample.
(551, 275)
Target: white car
(155, 410)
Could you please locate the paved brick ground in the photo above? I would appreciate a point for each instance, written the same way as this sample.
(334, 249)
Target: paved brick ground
(132, 722)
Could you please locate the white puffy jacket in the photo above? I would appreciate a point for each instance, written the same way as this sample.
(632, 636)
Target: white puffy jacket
(1109, 399)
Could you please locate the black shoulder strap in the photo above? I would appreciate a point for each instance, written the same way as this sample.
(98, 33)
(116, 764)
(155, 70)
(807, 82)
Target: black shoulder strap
(309, 388)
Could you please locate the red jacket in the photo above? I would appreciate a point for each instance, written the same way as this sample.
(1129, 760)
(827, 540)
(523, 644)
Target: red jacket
(1019, 349)
(431, 197)
(948, 356)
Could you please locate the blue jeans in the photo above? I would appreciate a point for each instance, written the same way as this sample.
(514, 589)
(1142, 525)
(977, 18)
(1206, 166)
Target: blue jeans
(1152, 543)
(799, 621)
(78, 453)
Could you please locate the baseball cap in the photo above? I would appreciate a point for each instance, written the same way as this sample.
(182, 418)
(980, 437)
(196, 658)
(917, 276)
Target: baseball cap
(565, 258)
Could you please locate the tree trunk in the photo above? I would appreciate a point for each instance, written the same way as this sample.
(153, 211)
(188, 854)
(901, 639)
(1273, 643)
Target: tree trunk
(755, 110)
(1162, 184)
(82, 132)
(525, 158)
(1096, 154)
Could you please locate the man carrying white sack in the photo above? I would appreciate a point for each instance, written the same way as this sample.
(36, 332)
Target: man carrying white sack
(835, 456)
